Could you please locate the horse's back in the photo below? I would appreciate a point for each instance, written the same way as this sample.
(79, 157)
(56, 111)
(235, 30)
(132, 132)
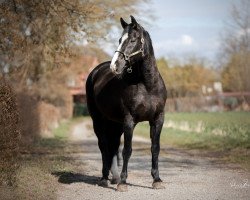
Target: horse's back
(95, 73)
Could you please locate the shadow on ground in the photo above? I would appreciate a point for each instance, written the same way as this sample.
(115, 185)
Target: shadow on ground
(70, 177)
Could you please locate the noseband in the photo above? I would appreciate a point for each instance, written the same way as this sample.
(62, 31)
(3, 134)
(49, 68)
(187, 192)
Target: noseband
(128, 56)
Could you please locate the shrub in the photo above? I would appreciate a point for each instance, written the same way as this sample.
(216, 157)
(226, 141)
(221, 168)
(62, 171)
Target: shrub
(9, 135)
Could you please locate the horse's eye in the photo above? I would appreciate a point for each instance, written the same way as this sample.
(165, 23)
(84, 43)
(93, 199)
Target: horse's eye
(120, 40)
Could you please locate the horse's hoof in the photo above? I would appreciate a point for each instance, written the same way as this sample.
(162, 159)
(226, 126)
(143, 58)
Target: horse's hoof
(115, 181)
(103, 183)
(158, 185)
(121, 187)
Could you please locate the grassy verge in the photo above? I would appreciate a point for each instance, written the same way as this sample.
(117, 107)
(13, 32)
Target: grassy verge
(36, 178)
(65, 127)
(228, 133)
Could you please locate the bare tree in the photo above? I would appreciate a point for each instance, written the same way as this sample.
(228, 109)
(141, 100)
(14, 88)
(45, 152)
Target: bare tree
(35, 35)
(236, 49)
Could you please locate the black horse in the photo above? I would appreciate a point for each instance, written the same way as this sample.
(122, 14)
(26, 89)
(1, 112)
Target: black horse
(123, 92)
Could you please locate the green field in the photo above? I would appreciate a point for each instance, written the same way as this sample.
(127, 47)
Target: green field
(222, 132)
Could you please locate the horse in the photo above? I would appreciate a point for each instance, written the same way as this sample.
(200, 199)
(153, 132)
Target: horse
(121, 93)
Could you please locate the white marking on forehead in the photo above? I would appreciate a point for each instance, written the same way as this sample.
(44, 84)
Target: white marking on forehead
(124, 37)
(114, 59)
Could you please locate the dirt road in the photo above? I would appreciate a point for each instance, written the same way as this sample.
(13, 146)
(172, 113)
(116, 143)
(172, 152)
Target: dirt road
(185, 175)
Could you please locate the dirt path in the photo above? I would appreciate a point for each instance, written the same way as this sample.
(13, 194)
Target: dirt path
(185, 175)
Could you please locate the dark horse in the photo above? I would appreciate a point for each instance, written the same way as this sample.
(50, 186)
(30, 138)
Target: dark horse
(123, 92)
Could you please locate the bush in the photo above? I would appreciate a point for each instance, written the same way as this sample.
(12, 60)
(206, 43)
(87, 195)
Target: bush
(29, 118)
(56, 94)
(49, 118)
(9, 135)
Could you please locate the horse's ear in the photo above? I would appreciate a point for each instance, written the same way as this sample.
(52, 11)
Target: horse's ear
(133, 21)
(123, 23)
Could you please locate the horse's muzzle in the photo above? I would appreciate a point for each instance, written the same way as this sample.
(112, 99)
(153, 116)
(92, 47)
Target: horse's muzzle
(115, 70)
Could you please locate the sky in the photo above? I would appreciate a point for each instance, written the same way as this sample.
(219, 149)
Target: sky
(189, 27)
(183, 28)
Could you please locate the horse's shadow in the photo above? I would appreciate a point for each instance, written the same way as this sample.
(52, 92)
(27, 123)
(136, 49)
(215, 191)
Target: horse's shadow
(70, 177)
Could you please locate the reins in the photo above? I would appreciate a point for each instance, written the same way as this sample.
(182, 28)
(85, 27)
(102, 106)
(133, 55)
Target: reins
(127, 57)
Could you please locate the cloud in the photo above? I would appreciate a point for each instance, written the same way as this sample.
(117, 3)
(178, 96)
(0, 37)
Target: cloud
(242, 32)
(181, 45)
(186, 40)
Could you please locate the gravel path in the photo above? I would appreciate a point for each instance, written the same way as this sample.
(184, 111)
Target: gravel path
(185, 175)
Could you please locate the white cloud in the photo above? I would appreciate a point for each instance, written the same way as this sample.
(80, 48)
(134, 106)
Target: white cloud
(186, 40)
(242, 32)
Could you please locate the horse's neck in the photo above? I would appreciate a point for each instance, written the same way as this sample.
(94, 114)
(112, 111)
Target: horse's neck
(150, 72)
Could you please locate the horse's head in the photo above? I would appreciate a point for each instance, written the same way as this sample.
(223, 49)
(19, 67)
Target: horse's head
(130, 49)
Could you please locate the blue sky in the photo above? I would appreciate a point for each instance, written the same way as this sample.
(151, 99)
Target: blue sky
(188, 27)
(184, 28)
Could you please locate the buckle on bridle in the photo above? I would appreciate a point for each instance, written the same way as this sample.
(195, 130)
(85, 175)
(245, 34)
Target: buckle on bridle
(126, 57)
(129, 70)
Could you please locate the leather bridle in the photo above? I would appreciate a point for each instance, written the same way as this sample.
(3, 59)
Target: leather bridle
(128, 56)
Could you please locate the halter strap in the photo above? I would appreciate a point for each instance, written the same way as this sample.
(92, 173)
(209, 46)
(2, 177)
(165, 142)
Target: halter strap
(127, 57)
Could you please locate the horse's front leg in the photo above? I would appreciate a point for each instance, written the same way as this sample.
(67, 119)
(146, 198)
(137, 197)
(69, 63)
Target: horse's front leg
(126, 153)
(155, 132)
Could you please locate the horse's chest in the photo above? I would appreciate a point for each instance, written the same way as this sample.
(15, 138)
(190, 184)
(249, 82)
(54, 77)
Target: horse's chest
(143, 106)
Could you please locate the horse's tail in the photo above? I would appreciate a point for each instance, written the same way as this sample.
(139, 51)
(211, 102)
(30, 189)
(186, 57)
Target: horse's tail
(90, 94)
(108, 132)
(89, 87)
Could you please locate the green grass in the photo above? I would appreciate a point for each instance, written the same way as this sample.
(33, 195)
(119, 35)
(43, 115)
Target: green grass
(219, 130)
(65, 127)
(35, 178)
(228, 131)
(61, 134)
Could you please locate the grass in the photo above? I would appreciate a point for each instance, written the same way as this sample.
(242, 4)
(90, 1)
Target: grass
(223, 132)
(35, 178)
(64, 128)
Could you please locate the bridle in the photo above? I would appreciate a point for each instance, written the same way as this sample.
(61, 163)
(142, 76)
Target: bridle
(127, 57)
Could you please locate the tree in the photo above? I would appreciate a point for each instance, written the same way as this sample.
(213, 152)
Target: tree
(35, 35)
(236, 49)
(185, 79)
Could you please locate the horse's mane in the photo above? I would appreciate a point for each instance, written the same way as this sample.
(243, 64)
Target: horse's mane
(147, 38)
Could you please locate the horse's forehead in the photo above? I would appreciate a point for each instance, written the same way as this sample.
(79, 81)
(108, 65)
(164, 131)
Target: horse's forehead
(129, 29)
(124, 37)
(125, 32)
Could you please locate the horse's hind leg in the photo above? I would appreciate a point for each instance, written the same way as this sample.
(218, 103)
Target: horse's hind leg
(99, 128)
(108, 134)
(114, 171)
(114, 131)
(127, 151)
